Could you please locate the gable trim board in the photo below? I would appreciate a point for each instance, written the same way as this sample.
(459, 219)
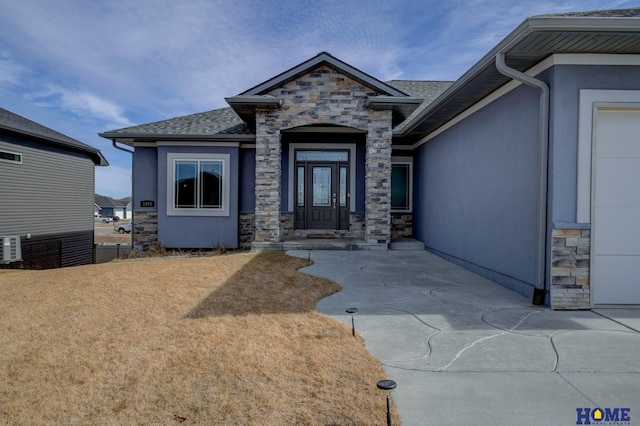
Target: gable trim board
(314, 63)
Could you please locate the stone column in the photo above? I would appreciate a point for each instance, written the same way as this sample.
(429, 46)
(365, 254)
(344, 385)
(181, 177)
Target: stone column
(268, 175)
(570, 268)
(378, 179)
(145, 230)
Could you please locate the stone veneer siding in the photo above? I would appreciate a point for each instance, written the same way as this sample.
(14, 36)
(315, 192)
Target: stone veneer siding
(286, 225)
(570, 260)
(268, 175)
(378, 180)
(401, 224)
(323, 96)
(246, 222)
(145, 230)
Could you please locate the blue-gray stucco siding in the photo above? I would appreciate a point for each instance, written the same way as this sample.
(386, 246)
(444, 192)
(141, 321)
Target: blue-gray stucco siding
(145, 173)
(475, 184)
(150, 169)
(475, 190)
(566, 82)
(247, 187)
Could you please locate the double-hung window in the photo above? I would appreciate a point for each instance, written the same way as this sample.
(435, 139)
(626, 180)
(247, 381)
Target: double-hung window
(197, 184)
(401, 184)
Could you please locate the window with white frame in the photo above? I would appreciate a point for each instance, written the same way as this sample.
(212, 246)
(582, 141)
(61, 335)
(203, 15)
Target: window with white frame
(198, 184)
(401, 184)
(11, 157)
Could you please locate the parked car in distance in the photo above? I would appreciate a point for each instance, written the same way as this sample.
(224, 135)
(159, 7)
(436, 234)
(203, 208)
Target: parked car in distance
(102, 219)
(122, 227)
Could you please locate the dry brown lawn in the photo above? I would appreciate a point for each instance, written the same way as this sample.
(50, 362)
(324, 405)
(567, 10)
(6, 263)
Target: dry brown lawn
(230, 339)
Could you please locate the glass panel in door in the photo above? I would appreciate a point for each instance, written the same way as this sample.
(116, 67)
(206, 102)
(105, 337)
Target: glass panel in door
(321, 186)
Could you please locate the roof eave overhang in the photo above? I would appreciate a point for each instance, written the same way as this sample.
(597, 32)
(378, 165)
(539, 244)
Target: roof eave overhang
(95, 154)
(561, 24)
(131, 138)
(246, 106)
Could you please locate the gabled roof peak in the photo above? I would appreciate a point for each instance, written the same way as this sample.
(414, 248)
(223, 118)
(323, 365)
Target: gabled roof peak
(323, 58)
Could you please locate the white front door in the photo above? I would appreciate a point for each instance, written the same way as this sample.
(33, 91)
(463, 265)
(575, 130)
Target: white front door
(615, 220)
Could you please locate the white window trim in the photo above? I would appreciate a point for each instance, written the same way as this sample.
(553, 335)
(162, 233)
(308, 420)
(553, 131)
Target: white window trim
(590, 102)
(320, 146)
(408, 161)
(11, 161)
(226, 184)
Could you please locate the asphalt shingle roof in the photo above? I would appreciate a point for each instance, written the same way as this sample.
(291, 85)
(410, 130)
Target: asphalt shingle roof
(427, 90)
(613, 13)
(223, 121)
(103, 201)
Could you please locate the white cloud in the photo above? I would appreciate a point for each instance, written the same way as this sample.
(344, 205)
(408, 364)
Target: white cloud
(10, 71)
(164, 58)
(89, 104)
(82, 104)
(113, 181)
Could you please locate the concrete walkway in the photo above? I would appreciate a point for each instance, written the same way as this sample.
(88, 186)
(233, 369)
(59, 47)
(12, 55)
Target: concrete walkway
(466, 351)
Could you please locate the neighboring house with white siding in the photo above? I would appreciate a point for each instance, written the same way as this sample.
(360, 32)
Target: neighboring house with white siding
(110, 207)
(46, 193)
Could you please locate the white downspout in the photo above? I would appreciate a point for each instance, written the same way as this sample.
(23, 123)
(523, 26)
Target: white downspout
(543, 160)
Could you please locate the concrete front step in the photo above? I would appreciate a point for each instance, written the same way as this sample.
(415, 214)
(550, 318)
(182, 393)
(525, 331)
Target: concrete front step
(338, 244)
(321, 244)
(406, 244)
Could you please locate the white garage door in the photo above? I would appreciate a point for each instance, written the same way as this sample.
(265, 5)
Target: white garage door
(615, 244)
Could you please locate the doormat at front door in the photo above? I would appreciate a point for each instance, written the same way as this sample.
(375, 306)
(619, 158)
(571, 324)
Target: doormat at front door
(321, 236)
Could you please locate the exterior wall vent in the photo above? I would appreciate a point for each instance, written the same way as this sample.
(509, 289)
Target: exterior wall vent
(11, 251)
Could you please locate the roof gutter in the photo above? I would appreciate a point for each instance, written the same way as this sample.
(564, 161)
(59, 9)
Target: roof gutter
(115, 145)
(543, 160)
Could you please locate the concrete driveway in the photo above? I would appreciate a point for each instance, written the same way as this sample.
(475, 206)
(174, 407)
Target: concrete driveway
(466, 351)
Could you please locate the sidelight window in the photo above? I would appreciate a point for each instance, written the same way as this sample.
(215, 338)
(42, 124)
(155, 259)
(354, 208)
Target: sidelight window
(401, 185)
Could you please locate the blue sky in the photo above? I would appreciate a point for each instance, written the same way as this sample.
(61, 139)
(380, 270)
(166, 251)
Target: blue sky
(87, 66)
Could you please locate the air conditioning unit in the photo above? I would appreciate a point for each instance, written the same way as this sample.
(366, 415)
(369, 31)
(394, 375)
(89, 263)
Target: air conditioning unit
(11, 251)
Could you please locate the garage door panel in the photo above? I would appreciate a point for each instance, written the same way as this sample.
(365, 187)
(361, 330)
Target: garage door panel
(617, 279)
(615, 225)
(618, 230)
(615, 126)
(617, 182)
